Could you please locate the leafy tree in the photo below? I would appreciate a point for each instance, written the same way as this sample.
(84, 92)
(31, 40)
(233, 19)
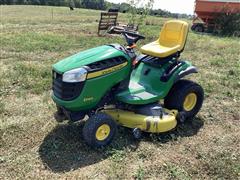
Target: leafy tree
(72, 4)
(93, 4)
(42, 2)
(19, 2)
(35, 2)
(124, 7)
(146, 6)
(77, 3)
(9, 2)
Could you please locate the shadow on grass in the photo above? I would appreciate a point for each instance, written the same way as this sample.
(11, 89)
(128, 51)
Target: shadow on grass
(187, 129)
(63, 149)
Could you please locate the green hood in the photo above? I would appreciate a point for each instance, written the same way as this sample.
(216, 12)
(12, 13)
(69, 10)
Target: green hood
(86, 57)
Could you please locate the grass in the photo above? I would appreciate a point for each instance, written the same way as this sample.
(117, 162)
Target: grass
(33, 145)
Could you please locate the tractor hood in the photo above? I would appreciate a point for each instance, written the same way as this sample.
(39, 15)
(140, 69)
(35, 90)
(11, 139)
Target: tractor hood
(87, 57)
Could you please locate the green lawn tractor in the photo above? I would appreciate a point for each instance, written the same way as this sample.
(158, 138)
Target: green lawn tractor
(113, 86)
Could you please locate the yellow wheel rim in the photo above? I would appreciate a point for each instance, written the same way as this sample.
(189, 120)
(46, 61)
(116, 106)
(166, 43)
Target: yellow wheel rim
(102, 132)
(190, 102)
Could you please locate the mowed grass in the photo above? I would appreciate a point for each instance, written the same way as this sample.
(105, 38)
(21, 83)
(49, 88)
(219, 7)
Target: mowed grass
(34, 146)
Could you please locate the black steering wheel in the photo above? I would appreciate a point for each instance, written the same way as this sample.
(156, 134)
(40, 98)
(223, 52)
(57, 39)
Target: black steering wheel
(132, 37)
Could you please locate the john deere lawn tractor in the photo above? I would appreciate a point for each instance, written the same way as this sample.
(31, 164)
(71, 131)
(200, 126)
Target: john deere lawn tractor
(111, 85)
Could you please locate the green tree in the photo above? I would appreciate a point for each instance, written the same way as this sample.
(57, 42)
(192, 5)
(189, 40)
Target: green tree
(42, 2)
(9, 2)
(19, 2)
(78, 3)
(2, 2)
(124, 7)
(93, 4)
(35, 2)
(138, 15)
(72, 4)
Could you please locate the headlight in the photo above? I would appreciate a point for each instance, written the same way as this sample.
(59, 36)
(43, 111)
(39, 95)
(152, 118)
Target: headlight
(75, 75)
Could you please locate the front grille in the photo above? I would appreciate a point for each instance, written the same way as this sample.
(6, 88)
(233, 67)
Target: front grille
(63, 90)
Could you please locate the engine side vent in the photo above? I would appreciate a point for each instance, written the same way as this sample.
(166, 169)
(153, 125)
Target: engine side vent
(108, 63)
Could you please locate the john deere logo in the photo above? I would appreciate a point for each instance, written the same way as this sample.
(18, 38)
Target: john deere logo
(112, 69)
(88, 99)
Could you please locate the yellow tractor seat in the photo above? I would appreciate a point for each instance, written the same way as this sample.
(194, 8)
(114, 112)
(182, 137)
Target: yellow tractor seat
(171, 41)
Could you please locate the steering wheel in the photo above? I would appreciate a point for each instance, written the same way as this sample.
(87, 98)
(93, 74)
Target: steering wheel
(132, 37)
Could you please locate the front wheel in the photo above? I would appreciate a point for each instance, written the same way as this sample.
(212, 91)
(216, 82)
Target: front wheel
(59, 115)
(185, 96)
(99, 130)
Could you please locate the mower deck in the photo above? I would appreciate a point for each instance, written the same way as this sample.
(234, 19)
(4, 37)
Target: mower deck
(153, 124)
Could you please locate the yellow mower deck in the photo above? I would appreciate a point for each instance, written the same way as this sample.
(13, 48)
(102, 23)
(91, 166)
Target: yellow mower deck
(153, 124)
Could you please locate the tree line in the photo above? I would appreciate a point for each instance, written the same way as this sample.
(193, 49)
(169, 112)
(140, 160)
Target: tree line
(92, 4)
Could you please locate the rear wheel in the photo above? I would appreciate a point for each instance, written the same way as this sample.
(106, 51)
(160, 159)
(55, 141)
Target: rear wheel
(185, 96)
(198, 28)
(99, 130)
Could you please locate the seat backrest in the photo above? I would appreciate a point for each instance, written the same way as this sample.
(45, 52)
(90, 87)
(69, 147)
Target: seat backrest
(173, 33)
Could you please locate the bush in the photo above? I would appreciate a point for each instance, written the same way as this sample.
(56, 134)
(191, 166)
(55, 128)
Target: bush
(228, 24)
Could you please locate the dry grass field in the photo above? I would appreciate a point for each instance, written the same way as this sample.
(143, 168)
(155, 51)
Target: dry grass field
(34, 146)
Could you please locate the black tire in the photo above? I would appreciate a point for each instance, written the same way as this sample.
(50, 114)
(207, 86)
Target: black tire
(198, 28)
(59, 110)
(176, 97)
(93, 124)
(59, 115)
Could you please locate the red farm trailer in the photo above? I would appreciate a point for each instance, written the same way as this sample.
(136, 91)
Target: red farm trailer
(206, 11)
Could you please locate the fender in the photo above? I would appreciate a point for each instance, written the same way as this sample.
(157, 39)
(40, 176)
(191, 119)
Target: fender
(189, 70)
